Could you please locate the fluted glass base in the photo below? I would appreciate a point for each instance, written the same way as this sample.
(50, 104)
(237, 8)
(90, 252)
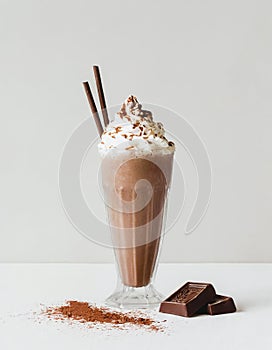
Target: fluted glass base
(135, 298)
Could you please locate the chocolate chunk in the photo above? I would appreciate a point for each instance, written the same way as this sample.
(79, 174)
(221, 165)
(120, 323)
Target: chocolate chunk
(187, 300)
(220, 305)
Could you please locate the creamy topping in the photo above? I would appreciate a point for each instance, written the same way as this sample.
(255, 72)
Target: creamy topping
(133, 129)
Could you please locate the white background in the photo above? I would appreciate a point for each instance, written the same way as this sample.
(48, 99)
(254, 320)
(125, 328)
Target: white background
(208, 60)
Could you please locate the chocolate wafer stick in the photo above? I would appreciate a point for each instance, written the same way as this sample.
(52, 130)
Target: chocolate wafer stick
(93, 107)
(101, 95)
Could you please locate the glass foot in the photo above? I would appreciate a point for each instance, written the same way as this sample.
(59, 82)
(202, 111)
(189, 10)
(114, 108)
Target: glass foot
(135, 298)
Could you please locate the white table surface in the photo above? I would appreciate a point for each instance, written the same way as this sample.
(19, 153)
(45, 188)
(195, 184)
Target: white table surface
(23, 287)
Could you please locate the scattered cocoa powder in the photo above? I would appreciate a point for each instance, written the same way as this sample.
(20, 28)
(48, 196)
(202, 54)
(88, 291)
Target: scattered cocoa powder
(83, 312)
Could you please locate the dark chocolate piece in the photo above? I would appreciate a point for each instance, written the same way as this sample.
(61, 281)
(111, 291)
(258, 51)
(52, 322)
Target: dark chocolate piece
(220, 305)
(187, 300)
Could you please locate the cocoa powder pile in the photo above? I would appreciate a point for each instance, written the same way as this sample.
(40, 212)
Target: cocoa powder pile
(83, 312)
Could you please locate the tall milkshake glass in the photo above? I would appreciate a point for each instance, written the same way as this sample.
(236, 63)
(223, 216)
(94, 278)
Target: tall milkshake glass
(135, 190)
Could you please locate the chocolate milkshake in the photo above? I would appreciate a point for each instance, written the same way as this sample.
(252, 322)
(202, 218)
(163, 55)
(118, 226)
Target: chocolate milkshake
(136, 173)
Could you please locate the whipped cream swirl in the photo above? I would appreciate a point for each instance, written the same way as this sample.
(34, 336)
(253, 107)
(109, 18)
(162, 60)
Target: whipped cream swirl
(134, 130)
